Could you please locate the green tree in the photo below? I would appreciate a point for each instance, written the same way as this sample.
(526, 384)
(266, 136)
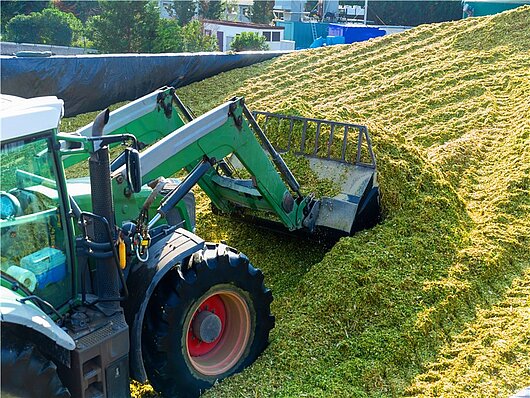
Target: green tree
(211, 9)
(81, 9)
(12, 8)
(22, 29)
(261, 11)
(183, 11)
(51, 26)
(230, 8)
(171, 37)
(249, 41)
(59, 27)
(195, 39)
(124, 26)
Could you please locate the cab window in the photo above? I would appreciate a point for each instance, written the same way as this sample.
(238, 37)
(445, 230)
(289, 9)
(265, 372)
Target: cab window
(33, 240)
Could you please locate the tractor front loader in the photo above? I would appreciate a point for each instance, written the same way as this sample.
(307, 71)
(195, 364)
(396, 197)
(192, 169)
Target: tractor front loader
(103, 278)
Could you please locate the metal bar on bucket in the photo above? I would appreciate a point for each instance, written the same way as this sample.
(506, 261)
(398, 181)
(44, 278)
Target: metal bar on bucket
(359, 145)
(317, 137)
(291, 126)
(304, 131)
(344, 143)
(330, 141)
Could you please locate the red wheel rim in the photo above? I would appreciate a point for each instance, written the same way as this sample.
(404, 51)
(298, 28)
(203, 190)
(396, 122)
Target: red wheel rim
(222, 354)
(215, 305)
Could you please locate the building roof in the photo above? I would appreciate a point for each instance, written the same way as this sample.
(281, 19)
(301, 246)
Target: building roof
(243, 24)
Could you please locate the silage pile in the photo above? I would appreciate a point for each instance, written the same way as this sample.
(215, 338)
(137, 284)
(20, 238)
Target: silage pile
(449, 112)
(393, 311)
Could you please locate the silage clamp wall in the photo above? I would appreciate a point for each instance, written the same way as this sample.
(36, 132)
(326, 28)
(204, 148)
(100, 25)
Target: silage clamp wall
(92, 82)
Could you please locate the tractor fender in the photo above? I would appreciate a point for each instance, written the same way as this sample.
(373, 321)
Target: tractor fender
(29, 315)
(142, 281)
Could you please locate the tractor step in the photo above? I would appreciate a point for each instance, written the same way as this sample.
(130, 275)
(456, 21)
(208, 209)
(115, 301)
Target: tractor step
(100, 361)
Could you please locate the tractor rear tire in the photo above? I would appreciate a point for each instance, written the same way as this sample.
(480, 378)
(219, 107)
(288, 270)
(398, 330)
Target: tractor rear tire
(221, 284)
(26, 372)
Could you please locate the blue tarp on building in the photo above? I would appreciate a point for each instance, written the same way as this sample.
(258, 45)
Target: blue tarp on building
(355, 33)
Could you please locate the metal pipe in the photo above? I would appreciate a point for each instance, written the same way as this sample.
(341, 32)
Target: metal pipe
(185, 111)
(171, 199)
(107, 282)
(276, 158)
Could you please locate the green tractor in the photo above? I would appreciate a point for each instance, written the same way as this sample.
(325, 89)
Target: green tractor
(103, 278)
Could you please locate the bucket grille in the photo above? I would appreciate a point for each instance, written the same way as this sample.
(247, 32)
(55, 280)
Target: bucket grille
(319, 138)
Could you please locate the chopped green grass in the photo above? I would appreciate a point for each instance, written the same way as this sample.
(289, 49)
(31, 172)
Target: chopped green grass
(447, 108)
(308, 179)
(492, 355)
(420, 304)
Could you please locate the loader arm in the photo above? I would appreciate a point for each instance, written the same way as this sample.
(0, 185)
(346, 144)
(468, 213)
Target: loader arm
(215, 135)
(172, 140)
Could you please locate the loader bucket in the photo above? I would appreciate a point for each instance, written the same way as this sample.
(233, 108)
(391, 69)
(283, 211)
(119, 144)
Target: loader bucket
(337, 151)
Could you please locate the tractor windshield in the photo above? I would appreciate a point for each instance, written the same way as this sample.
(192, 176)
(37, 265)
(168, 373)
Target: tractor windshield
(33, 242)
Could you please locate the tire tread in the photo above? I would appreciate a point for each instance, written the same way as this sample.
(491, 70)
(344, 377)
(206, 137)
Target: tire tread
(215, 264)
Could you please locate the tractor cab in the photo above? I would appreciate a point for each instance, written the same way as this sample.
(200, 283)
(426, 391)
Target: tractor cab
(35, 244)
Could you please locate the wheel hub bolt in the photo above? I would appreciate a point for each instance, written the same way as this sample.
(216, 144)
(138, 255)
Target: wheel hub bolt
(207, 326)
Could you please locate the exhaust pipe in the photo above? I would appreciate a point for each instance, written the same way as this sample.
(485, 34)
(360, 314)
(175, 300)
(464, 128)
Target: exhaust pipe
(107, 278)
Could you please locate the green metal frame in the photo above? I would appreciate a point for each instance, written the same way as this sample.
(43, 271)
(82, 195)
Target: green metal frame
(228, 139)
(234, 136)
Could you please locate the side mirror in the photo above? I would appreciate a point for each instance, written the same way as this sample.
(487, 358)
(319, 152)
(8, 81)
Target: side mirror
(134, 171)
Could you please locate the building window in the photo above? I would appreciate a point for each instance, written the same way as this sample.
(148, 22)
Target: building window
(275, 36)
(207, 32)
(229, 41)
(267, 36)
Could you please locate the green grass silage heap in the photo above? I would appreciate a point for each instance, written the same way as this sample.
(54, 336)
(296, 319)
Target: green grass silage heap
(448, 108)
(434, 301)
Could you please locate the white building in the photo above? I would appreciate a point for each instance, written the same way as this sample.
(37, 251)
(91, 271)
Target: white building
(225, 31)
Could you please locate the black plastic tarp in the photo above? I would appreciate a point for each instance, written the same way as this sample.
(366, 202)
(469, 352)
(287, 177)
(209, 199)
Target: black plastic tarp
(92, 82)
